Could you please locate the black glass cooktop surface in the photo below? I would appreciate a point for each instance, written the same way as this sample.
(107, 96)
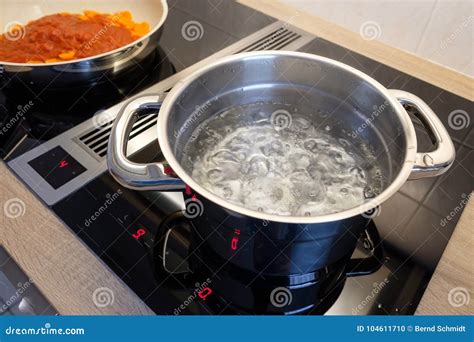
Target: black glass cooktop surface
(120, 225)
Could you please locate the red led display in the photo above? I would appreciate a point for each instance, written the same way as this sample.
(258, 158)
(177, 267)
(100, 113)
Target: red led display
(235, 240)
(204, 293)
(139, 233)
(63, 163)
(233, 243)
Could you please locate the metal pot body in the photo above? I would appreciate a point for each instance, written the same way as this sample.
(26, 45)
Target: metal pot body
(359, 109)
(265, 247)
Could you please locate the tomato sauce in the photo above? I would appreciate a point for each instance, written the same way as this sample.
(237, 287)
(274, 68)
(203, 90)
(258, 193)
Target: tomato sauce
(63, 36)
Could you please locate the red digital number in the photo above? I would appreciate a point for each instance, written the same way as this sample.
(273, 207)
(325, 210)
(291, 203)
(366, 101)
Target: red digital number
(63, 163)
(140, 232)
(204, 293)
(233, 243)
(235, 240)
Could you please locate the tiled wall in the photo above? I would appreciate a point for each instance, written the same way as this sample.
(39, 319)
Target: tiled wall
(439, 30)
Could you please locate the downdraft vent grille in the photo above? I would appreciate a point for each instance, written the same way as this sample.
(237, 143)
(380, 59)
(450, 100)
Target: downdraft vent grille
(96, 139)
(275, 40)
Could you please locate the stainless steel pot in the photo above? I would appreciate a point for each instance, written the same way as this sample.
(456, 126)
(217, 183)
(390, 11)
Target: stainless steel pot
(85, 70)
(309, 255)
(349, 96)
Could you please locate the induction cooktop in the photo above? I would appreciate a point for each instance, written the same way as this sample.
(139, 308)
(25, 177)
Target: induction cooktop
(63, 163)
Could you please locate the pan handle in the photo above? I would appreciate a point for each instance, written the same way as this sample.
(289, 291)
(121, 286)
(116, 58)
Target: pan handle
(438, 161)
(133, 175)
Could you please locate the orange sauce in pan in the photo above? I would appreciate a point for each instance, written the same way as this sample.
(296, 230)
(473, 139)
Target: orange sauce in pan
(63, 36)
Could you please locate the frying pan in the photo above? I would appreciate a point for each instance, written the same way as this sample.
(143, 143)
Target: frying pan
(85, 69)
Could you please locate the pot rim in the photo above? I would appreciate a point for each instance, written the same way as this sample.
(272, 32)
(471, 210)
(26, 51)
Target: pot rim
(400, 179)
(164, 15)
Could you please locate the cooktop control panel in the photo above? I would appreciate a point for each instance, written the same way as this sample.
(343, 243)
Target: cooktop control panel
(57, 167)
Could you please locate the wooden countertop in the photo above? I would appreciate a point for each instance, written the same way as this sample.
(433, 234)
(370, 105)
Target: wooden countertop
(68, 273)
(453, 281)
(61, 266)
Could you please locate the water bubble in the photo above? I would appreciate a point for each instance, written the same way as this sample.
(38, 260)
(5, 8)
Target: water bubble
(336, 155)
(300, 124)
(258, 166)
(300, 161)
(315, 145)
(310, 145)
(215, 175)
(224, 156)
(357, 172)
(238, 143)
(315, 170)
(227, 192)
(369, 192)
(277, 194)
(274, 148)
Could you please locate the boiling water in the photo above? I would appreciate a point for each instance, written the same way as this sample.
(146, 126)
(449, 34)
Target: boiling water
(279, 162)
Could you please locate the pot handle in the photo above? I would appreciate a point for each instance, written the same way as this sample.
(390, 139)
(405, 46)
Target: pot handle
(438, 161)
(133, 175)
(171, 278)
(371, 264)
